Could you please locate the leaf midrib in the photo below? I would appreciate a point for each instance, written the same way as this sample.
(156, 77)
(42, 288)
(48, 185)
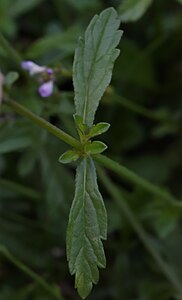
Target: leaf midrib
(85, 236)
(91, 69)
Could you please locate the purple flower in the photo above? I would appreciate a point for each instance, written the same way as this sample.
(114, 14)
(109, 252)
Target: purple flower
(32, 67)
(46, 77)
(50, 71)
(46, 89)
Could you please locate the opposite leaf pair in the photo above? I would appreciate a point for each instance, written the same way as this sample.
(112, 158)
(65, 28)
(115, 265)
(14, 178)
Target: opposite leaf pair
(85, 134)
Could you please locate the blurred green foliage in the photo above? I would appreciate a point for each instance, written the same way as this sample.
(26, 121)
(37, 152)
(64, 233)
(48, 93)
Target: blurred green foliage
(143, 105)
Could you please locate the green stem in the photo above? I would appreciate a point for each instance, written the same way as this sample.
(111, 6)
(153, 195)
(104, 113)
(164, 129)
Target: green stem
(30, 273)
(43, 123)
(136, 108)
(133, 178)
(142, 111)
(120, 170)
(20, 189)
(138, 228)
(13, 54)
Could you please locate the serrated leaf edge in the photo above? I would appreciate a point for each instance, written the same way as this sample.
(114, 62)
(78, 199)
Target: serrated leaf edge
(102, 234)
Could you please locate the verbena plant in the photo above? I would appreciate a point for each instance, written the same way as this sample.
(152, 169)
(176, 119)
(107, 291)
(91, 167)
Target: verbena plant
(92, 72)
(87, 226)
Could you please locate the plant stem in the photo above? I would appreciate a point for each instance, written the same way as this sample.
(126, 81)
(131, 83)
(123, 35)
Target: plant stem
(12, 53)
(43, 123)
(120, 170)
(138, 228)
(20, 189)
(136, 108)
(30, 273)
(133, 178)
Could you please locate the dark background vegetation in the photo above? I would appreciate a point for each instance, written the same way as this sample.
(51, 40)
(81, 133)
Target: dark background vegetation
(144, 107)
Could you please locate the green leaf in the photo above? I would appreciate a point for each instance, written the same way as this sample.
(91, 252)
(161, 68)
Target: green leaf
(87, 226)
(93, 62)
(99, 129)
(68, 156)
(10, 78)
(95, 147)
(132, 10)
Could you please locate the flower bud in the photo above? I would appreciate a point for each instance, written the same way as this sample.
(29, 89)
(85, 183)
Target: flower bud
(46, 89)
(32, 67)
